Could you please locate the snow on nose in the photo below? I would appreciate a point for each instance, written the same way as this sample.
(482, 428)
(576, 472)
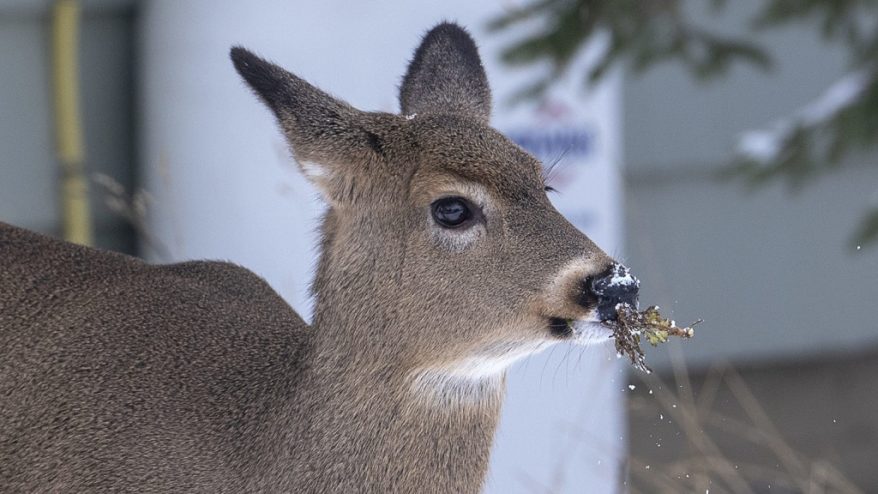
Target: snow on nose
(617, 286)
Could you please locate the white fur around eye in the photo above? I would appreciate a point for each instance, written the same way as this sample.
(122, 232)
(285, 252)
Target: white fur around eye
(456, 240)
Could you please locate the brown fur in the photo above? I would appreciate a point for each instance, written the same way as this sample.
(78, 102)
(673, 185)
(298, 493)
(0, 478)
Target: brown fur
(120, 376)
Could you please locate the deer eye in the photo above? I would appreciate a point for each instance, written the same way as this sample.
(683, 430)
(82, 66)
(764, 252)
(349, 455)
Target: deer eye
(452, 212)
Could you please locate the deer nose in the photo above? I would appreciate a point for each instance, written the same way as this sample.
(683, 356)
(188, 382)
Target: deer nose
(611, 288)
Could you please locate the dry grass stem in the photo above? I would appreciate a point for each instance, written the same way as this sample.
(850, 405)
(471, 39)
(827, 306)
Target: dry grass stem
(133, 208)
(707, 467)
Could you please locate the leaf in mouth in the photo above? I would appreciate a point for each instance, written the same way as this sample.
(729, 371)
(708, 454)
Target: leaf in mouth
(631, 325)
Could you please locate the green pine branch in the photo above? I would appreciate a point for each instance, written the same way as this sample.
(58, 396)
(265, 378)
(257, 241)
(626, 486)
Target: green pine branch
(642, 34)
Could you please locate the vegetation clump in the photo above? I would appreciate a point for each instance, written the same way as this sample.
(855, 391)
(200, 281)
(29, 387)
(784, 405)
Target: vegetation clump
(631, 326)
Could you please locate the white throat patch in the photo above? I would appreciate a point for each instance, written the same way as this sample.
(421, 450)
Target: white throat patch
(473, 378)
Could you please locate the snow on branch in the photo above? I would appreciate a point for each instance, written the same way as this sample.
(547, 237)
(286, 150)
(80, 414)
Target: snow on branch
(764, 146)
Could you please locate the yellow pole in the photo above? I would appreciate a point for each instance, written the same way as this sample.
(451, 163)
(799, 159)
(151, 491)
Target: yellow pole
(68, 122)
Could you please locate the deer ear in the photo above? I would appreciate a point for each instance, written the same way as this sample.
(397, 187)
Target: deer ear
(329, 138)
(446, 76)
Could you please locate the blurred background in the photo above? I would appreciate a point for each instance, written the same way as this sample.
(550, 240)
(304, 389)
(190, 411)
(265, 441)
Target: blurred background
(741, 137)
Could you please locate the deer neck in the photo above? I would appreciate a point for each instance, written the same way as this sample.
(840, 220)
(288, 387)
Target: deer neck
(361, 414)
(364, 426)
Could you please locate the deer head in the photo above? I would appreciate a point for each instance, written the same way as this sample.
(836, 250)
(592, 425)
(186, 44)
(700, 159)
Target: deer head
(441, 253)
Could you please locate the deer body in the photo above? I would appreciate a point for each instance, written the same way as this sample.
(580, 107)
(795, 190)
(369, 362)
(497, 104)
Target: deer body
(442, 262)
(117, 375)
(188, 377)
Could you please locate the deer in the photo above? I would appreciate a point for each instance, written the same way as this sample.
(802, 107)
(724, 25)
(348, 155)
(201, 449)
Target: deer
(442, 262)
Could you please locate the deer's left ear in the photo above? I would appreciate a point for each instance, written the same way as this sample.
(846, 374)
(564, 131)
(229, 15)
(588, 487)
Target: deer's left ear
(446, 76)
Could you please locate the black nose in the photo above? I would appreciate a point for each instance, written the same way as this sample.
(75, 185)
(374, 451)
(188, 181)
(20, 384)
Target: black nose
(613, 287)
